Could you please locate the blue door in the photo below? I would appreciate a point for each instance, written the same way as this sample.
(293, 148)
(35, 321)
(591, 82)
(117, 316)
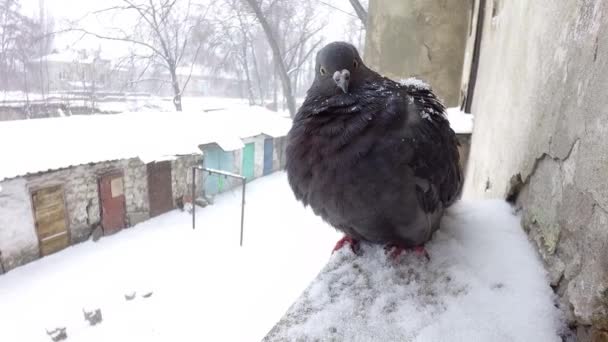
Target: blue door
(212, 161)
(268, 156)
(216, 158)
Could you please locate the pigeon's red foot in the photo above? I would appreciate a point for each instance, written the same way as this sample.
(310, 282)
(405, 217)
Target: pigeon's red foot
(347, 240)
(395, 251)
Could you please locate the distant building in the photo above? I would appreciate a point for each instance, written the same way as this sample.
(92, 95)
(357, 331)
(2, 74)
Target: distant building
(206, 81)
(71, 71)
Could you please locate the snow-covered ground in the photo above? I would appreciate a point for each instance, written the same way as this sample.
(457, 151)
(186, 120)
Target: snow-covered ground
(204, 286)
(484, 282)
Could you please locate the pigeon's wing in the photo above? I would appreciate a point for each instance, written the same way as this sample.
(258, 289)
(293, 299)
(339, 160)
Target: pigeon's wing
(435, 159)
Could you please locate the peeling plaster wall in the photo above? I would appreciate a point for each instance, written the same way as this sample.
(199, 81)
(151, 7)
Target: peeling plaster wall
(136, 191)
(181, 176)
(541, 136)
(18, 240)
(278, 149)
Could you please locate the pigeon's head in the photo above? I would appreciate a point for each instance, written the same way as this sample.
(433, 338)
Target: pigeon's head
(339, 69)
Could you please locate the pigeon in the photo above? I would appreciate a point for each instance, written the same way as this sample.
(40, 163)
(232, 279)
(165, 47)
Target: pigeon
(374, 158)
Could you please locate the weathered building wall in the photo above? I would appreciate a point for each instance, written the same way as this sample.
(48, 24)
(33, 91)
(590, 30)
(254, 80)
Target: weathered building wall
(181, 176)
(420, 38)
(82, 197)
(278, 153)
(136, 191)
(541, 126)
(18, 240)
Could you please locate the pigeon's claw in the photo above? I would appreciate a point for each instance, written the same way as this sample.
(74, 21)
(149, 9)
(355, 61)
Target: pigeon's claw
(395, 251)
(354, 244)
(422, 252)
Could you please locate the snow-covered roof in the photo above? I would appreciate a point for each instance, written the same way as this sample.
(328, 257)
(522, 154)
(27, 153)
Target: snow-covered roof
(30, 146)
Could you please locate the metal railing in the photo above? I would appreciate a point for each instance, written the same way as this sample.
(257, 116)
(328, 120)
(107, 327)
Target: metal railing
(220, 173)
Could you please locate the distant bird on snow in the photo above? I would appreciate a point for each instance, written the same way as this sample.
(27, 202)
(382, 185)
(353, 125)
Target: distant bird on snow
(374, 158)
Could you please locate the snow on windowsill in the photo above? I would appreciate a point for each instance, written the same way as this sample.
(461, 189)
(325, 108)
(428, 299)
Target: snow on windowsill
(461, 122)
(484, 282)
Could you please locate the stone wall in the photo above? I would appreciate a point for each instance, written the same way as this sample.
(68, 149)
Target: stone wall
(541, 139)
(420, 38)
(181, 175)
(81, 194)
(136, 191)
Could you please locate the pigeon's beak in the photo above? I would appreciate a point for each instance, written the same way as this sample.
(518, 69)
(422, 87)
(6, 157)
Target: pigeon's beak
(342, 78)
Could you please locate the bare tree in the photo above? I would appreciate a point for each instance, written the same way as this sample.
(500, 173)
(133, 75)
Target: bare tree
(164, 28)
(10, 21)
(277, 56)
(18, 37)
(237, 42)
(360, 10)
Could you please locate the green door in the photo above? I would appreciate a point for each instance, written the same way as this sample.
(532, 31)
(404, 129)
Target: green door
(249, 161)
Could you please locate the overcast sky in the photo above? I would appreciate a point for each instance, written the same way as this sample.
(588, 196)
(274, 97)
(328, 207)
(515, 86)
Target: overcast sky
(64, 10)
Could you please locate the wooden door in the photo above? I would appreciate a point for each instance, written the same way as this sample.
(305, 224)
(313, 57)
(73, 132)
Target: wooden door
(160, 190)
(268, 156)
(112, 199)
(50, 218)
(249, 161)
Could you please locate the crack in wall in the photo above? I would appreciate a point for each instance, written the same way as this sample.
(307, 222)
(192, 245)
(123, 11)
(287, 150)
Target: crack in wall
(428, 52)
(517, 182)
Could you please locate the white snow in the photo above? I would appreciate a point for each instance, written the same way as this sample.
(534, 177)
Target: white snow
(484, 282)
(461, 122)
(414, 82)
(204, 71)
(118, 102)
(54, 143)
(204, 286)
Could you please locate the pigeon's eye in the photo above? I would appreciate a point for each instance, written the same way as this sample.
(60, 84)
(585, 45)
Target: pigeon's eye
(355, 64)
(322, 71)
